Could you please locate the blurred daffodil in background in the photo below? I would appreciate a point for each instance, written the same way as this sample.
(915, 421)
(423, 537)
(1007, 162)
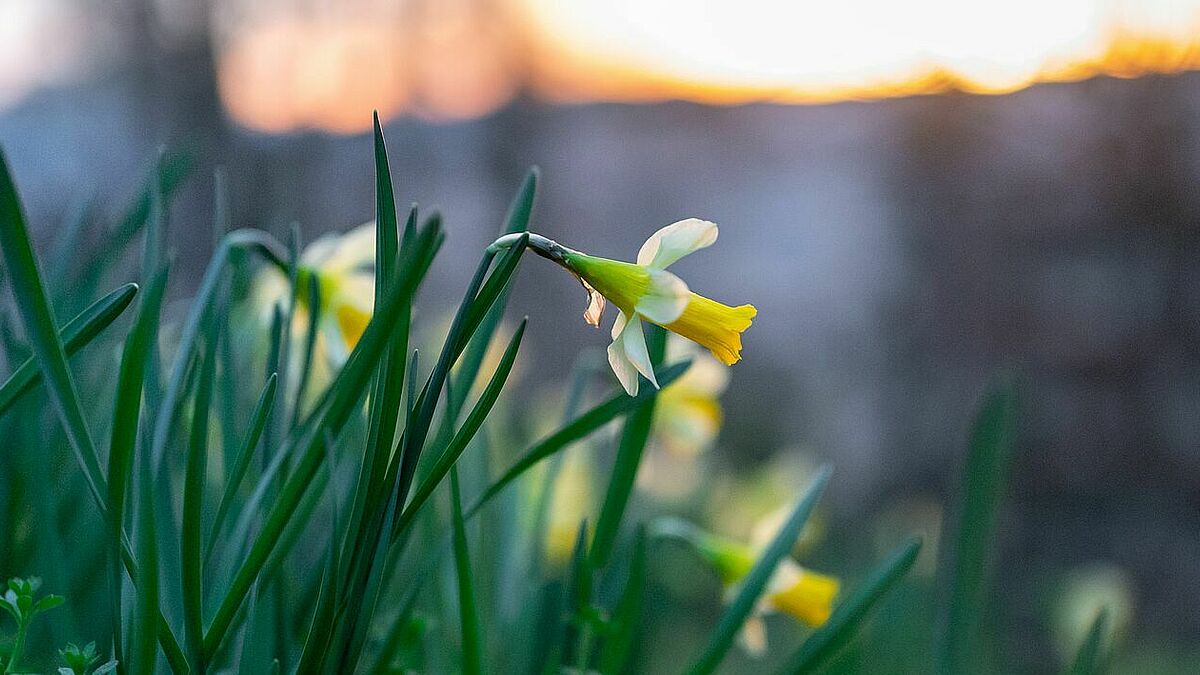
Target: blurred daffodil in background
(342, 266)
(571, 500)
(1081, 596)
(687, 420)
(645, 290)
(757, 500)
(688, 414)
(803, 594)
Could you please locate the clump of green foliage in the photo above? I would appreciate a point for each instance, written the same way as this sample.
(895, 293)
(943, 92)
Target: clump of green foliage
(240, 523)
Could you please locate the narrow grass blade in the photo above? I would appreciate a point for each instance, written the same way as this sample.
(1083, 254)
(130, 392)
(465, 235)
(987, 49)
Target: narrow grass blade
(365, 532)
(167, 175)
(579, 601)
(310, 347)
(965, 570)
(34, 310)
(126, 415)
(170, 170)
(472, 639)
(466, 433)
(626, 617)
(142, 652)
(516, 220)
(585, 424)
(1092, 657)
(850, 615)
(396, 633)
(316, 639)
(258, 422)
(758, 578)
(477, 302)
(192, 528)
(254, 240)
(78, 332)
(343, 394)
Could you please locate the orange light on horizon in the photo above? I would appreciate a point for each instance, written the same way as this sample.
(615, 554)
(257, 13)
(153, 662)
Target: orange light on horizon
(741, 51)
(461, 59)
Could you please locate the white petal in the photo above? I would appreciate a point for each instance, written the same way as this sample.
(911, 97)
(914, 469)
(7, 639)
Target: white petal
(665, 298)
(753, 637)
(343, 253)
(622, 368)
(357, 290)
(675, 241)
(634, 344)
(619, 325)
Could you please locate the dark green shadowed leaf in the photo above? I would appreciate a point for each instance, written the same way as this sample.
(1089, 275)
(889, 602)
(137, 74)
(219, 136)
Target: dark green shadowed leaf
(142, 651)
(579, 604)
(328, 416)
(313, 293)
(629, 458)
(472, 639)
(1092, 657)
(583, 425)
(51, 359)
(126, 414)
(39, 325)
(626, 618)
(386, 228)
(964, 571)
(849, 616)
(466, 433)
(78, 332)
(758, 578)
(477, 301)
(258, 422)
(372, 510)
(173, 392)
(192, 529)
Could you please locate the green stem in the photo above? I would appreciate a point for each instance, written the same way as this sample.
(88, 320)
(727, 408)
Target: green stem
(18, 647)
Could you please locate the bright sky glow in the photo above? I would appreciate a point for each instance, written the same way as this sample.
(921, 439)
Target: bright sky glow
(738, 50)
(324, 64)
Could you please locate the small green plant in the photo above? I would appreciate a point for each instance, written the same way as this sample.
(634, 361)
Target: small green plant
(83, 660)
(22, 603)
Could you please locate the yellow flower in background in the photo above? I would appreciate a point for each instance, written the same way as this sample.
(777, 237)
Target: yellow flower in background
(687, 420)
(570, 502)
(803, 594)
(646, 290)
(688, 414)
(1081, 596)
(344, 268)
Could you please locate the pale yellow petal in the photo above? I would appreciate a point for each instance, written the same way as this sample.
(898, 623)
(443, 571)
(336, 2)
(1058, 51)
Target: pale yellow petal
(753, 637)
(634, 343)
(675, 241)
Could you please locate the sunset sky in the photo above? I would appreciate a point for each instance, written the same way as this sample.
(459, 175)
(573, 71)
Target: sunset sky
(290, 65)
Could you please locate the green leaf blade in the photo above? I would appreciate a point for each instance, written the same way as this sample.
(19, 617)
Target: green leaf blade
(472, 640)
(849, 616)
(964, 573)
(756, 581)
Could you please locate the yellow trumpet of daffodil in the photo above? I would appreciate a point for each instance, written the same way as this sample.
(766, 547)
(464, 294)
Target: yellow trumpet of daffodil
(343, 266)
(645, 290)
(803, 594)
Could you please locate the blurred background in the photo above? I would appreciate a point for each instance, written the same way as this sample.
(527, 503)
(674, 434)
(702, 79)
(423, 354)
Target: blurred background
(913, 194)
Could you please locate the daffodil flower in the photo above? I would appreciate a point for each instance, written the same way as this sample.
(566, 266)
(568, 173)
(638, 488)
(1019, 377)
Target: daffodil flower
(645, 290)
(343, 267)
(796, 591)
(688, 415)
